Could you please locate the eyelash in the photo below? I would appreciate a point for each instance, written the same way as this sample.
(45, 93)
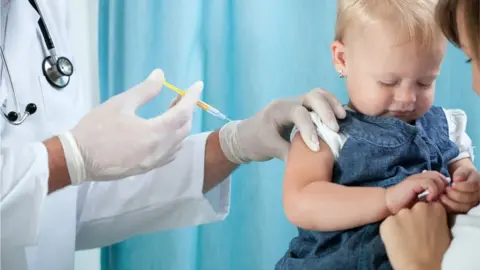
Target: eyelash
(469, 60)
(393, 84)
(424, 85)
(387, 84)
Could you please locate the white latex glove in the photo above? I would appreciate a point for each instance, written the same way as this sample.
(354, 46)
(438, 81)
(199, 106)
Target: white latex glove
(112, 142)
(261, 137)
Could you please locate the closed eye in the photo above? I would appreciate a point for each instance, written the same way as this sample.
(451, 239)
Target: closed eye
(387, 84)
(425, 85)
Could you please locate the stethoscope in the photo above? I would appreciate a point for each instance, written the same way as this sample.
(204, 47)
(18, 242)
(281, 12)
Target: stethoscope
(56, 69)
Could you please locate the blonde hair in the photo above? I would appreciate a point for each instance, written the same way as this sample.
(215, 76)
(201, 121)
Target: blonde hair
(446, 15)
(415, 19)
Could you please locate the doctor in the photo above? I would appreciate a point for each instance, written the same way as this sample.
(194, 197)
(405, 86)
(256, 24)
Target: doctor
(73, 179)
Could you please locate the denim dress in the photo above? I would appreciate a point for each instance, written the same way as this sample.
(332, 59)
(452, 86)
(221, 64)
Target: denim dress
(379, 152)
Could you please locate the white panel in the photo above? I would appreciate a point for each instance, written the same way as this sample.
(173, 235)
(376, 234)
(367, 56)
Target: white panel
(85, 25)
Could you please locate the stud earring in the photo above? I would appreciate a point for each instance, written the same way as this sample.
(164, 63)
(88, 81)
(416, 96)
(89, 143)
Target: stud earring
(340, 73)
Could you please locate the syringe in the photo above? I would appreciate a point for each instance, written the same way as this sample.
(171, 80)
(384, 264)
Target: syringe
(210, 109)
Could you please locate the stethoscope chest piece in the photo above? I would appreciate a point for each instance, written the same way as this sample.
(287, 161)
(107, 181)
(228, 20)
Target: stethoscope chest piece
(57, 71)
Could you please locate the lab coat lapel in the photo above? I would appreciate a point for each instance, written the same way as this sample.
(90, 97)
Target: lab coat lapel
(21, 30)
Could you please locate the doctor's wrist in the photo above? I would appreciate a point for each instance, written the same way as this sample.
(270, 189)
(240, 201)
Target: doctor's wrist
(217, 165)
(58, 171)
(230, 145)
(73, 158)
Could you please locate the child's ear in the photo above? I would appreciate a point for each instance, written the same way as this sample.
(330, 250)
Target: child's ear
(338, 55)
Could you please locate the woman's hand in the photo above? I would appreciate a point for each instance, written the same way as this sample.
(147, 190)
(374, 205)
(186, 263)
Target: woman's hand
(261, 137)
(416, 238)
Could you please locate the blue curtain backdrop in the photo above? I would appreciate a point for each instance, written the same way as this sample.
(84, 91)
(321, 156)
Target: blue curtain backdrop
(248, 53)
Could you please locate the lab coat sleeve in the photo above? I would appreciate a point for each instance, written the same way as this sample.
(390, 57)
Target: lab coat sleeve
(165, 198)
(24, 176)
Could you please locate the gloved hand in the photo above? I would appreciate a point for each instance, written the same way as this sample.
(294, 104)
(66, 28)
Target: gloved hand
(260, 137)
(112, 142)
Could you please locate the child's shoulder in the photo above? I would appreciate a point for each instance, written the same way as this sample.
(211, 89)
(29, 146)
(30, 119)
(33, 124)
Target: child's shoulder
(456, 119)
(454, 114)
(335, 140)
(449, 113)
(456, 125)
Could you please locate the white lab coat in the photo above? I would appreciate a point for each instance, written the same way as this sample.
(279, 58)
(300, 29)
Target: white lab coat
(42, 232)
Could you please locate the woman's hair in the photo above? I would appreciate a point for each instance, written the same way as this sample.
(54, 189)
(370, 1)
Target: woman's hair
(446, 16)
(414, 19)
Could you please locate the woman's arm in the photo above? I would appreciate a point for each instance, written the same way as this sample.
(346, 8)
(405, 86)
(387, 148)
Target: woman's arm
(312, 201)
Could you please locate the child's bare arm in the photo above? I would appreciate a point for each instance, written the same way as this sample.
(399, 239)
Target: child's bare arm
(312, 201)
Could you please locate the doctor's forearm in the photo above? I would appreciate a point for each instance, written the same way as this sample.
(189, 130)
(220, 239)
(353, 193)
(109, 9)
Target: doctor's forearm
(58, 177)
(217, 166)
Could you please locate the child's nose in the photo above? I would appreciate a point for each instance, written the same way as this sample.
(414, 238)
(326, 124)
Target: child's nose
(406, 95)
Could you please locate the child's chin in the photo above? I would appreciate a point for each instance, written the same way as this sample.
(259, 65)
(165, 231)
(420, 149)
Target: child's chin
(408, 118)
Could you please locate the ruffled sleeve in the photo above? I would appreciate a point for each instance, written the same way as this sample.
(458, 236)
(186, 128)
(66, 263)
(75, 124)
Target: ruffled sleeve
(457, 126)
(333, 139)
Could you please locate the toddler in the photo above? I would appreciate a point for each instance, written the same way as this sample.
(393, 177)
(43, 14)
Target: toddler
(392, 146)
